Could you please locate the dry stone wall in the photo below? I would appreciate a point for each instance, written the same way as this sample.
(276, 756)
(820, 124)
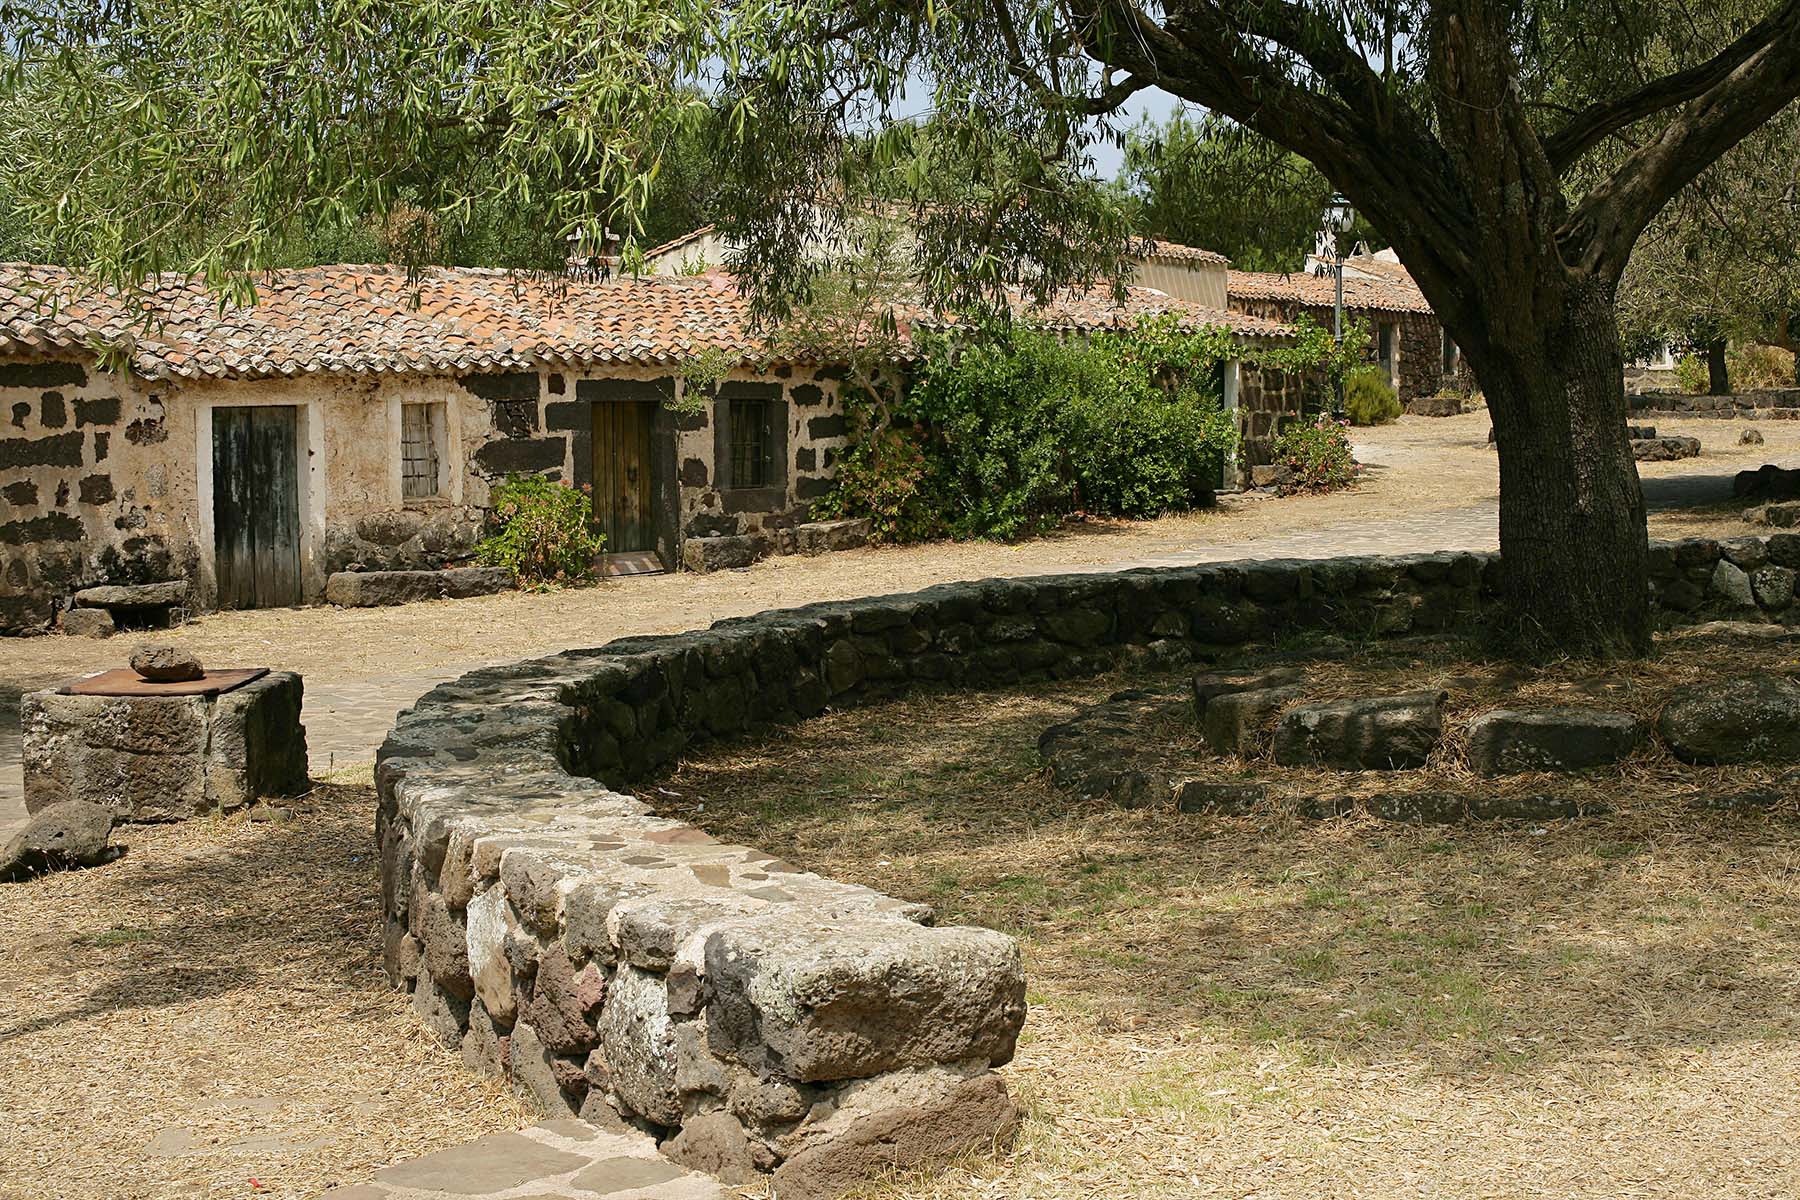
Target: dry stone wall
(755, 1016)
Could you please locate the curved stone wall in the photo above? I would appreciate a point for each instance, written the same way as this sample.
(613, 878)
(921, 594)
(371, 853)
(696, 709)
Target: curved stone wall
(755, 1016)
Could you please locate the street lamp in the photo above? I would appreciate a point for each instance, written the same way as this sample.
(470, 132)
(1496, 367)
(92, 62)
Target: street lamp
(1338, 219)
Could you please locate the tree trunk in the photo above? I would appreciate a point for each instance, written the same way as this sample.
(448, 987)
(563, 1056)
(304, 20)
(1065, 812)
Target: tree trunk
(1572, 534)
(1718, 378)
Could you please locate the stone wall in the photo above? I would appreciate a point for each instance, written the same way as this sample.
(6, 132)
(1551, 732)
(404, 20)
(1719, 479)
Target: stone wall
(1770, 404)
(757, 1017)
(85, 487)
(1267, 399)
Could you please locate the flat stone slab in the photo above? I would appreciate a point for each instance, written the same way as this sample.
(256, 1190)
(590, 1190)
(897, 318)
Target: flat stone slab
(138, 595)
(556, 1160)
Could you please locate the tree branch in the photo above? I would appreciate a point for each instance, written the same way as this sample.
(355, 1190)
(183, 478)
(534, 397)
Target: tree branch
(1585, 129)
(1606, 225)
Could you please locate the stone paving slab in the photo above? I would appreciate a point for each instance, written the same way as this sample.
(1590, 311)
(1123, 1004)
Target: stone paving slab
(555, 1160)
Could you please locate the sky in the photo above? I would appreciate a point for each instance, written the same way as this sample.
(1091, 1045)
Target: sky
(1154, 103)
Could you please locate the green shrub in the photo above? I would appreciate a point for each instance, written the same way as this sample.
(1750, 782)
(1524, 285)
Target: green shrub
(1690, 374)
(1004, 433)
(884, 475)
(1368, 398)
(543, 531)
(1755, 366)
(1316, 454)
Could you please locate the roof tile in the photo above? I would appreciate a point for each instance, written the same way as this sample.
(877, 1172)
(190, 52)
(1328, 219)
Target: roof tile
(359, 319)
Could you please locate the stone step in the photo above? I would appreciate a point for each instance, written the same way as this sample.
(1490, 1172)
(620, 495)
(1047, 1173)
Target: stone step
(555, 1160)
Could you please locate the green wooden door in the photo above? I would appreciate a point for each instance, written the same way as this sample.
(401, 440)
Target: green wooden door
(623, 498)
(256, 506)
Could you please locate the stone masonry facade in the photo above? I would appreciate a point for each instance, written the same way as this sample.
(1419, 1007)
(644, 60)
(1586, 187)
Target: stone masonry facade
(753, 1016)
(102, 479)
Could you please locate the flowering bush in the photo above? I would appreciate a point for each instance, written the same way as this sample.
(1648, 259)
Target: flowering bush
(1317, 455)
(544, 531)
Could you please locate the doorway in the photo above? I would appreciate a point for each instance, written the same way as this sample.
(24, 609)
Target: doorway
(256, 506)
(631, 465)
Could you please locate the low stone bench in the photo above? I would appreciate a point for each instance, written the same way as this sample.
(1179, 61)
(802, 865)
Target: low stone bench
(741, 550)
(99, 611)
(165, 757)
(375, 589)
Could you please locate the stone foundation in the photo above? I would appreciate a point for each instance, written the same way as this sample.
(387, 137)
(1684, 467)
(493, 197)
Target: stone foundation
(165, 758)
(757, 1017)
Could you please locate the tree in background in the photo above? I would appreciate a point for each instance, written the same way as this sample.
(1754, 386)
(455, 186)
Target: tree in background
(1207, 182)
(1722, 263)
(1469, 131)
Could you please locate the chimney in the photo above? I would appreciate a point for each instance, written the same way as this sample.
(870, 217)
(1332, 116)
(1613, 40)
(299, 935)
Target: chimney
(582, 262)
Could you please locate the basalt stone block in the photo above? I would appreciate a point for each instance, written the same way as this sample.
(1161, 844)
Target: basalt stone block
(1507, 741)
(165, 594)
(1731, 583)
(704, 554)
(379, 589)
(895, 1122)
(100, 410)
(1753, 718)
(42, 374)
(1210, 685)
(637, 1045)
(60, 450)
(1381, 733)
(521, 455)
(167, 757)
(1664, 449)
(1238, 722)
(52, 527)
(810, 998)
(61, 837)
(88, 622)
(1212, 796)
(1773, 586)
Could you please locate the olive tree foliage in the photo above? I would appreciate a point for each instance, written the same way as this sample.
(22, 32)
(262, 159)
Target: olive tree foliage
(1722, 262)
(1511, 151)
(1203, 181)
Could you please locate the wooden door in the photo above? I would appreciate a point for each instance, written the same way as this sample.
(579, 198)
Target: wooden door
(256, 506)
(624, 501)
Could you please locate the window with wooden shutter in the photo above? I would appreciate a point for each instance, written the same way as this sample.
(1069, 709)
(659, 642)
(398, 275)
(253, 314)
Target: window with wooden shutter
(421, 435)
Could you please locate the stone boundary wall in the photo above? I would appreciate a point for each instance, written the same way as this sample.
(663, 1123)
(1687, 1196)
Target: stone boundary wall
(754, 1016)
(1770, 405)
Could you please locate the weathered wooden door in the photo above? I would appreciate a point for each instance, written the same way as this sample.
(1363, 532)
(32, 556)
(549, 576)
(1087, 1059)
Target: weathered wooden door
(256, 506)
(624, 501)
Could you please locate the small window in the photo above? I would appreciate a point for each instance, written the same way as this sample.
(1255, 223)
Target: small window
(421, 456)
(752, 443)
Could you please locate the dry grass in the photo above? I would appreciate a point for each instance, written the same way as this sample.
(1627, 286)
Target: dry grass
(209, 1011)
(1262, 1007)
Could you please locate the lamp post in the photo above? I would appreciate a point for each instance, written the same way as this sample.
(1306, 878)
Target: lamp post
(1338, 219)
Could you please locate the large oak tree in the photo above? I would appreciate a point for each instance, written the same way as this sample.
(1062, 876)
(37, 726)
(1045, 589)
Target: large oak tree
(1512, 151)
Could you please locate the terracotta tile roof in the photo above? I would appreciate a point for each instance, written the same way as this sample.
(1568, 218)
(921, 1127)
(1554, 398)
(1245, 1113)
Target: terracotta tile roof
(367, 319)
(1393, 293)
(1175, 250)
(676, 243)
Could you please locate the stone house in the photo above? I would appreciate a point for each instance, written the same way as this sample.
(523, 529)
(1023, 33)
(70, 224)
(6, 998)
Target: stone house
(356, 418)
(1405, 338)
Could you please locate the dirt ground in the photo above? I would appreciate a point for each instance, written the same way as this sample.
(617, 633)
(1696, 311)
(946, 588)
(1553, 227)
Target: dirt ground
(207, 1017)
(1416, 467)
(1264, 1007)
